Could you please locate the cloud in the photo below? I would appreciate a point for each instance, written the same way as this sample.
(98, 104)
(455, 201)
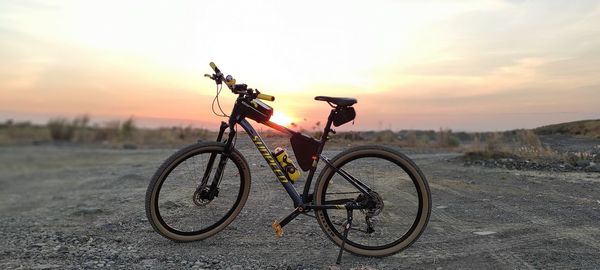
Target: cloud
(410, 63)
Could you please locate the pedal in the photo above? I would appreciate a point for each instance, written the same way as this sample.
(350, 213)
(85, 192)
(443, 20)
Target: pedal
(277, 228)
(278, 225)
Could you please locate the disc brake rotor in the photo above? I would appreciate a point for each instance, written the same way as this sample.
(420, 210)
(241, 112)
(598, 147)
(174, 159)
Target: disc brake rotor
(200, 197)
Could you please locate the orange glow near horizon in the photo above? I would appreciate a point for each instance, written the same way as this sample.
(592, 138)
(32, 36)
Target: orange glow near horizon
(468, 65)
(281, 118)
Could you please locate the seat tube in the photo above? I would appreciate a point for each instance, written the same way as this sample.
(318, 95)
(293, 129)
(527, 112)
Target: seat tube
(311, 173)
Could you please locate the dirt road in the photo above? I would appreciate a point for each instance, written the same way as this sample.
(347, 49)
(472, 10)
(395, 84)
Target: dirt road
(72, 207)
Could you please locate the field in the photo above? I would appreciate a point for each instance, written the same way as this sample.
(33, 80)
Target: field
(76, 206)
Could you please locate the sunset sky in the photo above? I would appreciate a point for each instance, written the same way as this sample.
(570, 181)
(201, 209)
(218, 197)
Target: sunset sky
(466, 65)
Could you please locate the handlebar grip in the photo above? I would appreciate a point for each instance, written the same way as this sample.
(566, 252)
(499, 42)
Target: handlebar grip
(214, 67)
(265, 97)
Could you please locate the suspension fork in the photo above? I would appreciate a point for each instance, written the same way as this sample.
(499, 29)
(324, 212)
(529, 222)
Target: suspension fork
(214, 187)
(213, 191)
(211, 160)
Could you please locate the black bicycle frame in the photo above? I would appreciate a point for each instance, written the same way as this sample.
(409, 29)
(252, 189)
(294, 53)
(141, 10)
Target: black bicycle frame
(305, 200)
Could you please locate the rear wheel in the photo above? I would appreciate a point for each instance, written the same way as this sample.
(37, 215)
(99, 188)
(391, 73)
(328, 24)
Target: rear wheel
(174, 204)
(399, 212)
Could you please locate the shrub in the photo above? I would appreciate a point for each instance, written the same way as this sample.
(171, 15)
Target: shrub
(445, 138)
(61, 129)
(7, 124)
(127, 129)
(109, 132)
(386, 136)
(493, 143)
(350, 136)
(411, 138)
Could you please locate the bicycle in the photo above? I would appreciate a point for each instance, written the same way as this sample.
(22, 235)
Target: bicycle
(187, 201)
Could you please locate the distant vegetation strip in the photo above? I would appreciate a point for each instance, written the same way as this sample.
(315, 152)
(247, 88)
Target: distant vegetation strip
(80, 130)
(476, 145)
(590, 128)
(118, 133)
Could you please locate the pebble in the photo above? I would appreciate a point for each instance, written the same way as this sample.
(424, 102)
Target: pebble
(62, 249)
(45, 266)
(593, 167)
(84, 211)
(517, 164)
(582, 163)
(484, 232)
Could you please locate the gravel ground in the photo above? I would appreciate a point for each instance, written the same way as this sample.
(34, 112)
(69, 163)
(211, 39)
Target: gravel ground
(76, 207)
(566, 143)
(580, 154)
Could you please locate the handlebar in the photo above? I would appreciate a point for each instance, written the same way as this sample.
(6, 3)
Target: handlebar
(265, 97)
(214, 67)
(236, 88)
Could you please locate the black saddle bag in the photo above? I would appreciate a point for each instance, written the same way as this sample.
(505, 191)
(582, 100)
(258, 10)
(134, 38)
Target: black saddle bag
(343, 115)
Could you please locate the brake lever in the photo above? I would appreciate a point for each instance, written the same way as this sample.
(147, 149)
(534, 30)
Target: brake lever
(215, 77)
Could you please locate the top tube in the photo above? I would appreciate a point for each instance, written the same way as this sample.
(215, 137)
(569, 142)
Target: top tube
(279, 128)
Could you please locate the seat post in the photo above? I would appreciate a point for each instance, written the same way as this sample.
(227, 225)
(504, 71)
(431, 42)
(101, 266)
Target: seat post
(327, 129)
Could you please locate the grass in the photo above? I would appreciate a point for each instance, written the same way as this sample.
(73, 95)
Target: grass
(63, 129)
(526, 143)
(118, 133)
(18, 132)
(523, 144)
(112, 133)
(517, 144)
(589, 128)
(443, 138)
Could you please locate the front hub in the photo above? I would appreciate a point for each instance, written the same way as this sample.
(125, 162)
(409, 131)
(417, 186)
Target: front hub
(203, 196)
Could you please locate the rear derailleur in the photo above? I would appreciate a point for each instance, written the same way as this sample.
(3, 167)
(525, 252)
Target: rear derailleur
(370, 207)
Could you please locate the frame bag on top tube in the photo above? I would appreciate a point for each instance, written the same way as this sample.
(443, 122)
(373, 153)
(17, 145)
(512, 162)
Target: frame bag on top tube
(256, 110)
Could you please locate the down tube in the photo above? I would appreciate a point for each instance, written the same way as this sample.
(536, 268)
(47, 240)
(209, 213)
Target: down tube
(275, 167)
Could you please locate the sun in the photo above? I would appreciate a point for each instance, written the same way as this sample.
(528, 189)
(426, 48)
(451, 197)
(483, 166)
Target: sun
(281, 118)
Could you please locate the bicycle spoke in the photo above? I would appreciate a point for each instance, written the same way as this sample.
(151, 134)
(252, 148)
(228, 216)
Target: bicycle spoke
(354, 228)
(176, 200)
(394, 190)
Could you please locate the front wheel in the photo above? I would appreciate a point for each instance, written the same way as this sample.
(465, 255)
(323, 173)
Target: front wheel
(398, 213)
(175, 205)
